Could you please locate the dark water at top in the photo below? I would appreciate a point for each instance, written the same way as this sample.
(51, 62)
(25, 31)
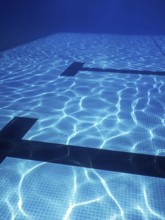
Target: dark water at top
(23, 21)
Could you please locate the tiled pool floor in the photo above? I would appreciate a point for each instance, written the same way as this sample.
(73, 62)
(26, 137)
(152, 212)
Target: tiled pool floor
(113, 107)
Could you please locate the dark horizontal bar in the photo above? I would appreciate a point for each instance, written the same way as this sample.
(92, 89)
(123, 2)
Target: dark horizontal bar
(132, 163)
(73, 69)
(11, 145)
(17, 128)
(143, 72)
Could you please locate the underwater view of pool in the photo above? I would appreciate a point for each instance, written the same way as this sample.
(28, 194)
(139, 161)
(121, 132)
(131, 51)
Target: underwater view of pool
(95, 145)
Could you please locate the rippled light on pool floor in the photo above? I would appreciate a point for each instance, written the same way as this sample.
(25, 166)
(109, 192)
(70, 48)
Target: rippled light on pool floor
(102, 92)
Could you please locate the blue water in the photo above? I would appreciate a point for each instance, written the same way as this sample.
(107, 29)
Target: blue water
(113, 111)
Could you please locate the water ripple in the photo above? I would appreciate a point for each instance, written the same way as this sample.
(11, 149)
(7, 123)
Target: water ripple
(121, 112)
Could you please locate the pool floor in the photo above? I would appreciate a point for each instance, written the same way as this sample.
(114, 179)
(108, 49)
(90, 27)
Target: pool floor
(82, 119)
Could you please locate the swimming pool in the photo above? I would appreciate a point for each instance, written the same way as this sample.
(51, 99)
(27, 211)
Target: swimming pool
(96, 147)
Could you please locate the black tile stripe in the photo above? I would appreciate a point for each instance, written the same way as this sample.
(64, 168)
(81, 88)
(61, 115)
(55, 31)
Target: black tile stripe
(17, 128)
(73, 69)
(132, 163)
(124, 71)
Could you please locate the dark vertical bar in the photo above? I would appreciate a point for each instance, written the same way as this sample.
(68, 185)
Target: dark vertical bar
(17, 128)
(73, 69)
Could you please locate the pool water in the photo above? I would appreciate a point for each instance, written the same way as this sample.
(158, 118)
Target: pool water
(113, 105)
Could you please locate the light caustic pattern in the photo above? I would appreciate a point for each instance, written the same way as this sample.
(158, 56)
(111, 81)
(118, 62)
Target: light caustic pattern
(122, 112)
(33, 190)
(118, 112)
